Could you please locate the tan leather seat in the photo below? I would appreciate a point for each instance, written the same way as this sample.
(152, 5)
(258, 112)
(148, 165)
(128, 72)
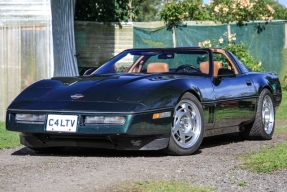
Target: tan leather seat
(216, 66)
(157, 67)
(204, 67)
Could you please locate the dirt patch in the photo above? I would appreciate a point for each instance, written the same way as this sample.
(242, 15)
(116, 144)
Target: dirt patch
(216, 164)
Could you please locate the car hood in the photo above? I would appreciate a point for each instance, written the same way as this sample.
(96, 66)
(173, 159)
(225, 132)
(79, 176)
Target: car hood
(102, 92)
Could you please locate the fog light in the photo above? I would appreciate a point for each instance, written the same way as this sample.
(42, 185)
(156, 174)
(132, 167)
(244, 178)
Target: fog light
(108, 120)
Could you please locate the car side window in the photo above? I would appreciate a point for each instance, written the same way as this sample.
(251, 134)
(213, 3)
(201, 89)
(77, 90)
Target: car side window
(123, 65)
(222, 59)
(226, 63)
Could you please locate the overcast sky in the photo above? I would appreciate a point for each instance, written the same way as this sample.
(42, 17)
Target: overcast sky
(283, 2)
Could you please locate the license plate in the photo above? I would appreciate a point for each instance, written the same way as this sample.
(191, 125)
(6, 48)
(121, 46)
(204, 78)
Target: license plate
(62, 123)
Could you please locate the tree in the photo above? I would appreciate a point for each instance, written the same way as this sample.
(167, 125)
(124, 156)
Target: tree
(224, 11)
(105, 11)
(280, 10)
(175, 12)
(241, 11)
(148, 10)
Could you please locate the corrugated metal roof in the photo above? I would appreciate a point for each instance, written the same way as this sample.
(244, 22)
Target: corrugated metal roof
(24, 10)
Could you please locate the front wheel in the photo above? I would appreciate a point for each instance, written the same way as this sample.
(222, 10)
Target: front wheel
(263, 125)
(188, 126)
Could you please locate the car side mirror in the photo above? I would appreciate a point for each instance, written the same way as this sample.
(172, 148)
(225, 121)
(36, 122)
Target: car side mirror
(223, 72)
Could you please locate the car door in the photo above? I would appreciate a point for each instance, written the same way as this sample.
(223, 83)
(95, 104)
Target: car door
(235, 97)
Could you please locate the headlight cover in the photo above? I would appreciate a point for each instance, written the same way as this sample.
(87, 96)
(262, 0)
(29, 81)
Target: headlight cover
(104, 120)
(30, 118)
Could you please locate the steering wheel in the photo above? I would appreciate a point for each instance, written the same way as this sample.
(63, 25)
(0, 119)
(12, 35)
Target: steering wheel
(185, 68)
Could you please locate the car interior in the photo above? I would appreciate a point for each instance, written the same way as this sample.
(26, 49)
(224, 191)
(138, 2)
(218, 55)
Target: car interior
(151, 62)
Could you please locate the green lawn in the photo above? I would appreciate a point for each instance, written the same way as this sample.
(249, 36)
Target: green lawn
(267, 160)
(159, 186)
(280, 129)
(8, 139)
(281, 113)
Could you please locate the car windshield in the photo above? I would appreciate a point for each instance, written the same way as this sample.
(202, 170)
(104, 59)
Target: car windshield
(157, 61)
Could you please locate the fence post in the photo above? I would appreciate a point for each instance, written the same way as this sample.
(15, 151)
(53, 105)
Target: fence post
(173, 37)
(228, 31)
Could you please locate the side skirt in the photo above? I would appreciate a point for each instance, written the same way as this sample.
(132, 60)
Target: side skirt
(221, 131)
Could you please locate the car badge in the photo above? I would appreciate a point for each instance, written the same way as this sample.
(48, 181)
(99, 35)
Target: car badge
(77, 96)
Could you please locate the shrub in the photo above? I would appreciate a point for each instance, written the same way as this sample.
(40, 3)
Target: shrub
(227, 42)
(240, 11)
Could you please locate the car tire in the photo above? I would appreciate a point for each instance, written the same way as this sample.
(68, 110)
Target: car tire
(187, 126)
(263, 125)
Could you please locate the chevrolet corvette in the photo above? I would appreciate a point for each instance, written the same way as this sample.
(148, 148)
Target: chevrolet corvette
(148, 99)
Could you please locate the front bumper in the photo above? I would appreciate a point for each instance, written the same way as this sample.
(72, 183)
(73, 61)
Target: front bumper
(137, 124)
(118, 142)
(139, 132)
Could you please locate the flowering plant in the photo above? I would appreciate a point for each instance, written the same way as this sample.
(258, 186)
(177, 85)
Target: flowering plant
(241, 11)
(174, 13)
(227, 42)
(230, 38)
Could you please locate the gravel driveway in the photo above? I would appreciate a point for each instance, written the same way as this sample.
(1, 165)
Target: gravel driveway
(216, 165)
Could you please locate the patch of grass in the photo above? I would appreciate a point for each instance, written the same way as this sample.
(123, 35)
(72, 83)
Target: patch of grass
(242, 184)
(280, 129)
(281, 113)
(160, 186)
(267, 160)
(8, 139)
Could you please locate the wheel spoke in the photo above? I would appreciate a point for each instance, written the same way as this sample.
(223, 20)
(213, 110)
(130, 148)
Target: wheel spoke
(193, 119)
(176, 126)
(182, 136)
(180, 114)
(191, 133)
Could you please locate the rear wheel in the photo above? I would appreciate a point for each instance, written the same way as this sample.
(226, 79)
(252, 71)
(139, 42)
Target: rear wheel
(188, 126)
(263, 125)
